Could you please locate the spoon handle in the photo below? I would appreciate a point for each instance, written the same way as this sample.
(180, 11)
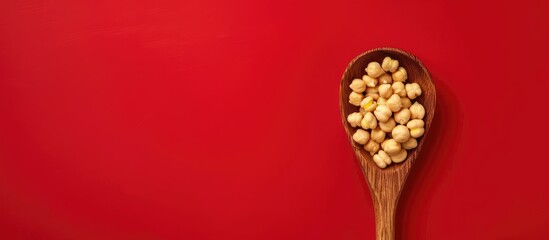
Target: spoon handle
(385, 210)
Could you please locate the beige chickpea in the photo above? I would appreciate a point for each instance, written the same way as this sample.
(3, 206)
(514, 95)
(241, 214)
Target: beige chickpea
(368, 121)
(417, 111)
(355, 98)
(368, 104)
(401, 133)
(385, 90)
(400, 75)
(410, 144)
(370, 81)
(372, 92)
(381, 101)
(399, 89)
(382, 157)
(413, 90)
(379, 161)
(390, 146)
(389, 65)
(399, 156)
(416, 127)
(394, 103)
(354, 119)
(361, 136)
(387, 126)
(402, 116)
(406, 102)
(385, 79)
(358, 86)
(378, 135)
(382, 113)
(374, 69)
(372, 147)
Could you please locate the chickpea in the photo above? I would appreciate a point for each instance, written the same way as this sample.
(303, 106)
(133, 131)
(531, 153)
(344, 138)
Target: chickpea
(372, 92)
(402, 116)
(385, 90)
(406, 102)
(379, 161)
(399, 156)
(389, 65)
(400, 75)
(372, 147)
(399, 89)
(361, 136)
(369, 121)
(370, 82)
(413, 90)
(410, 144)
(416, 128)
(355, 98)
(387, 126)
(354, 119)
(374, 69)
(378, 135)
(381, 101)
(358, 86)
(401, 133)
(417, 111)
(385, 79)
(390, 146)
(383, 156)
(394, 103)
(383, 113)
(368, 104)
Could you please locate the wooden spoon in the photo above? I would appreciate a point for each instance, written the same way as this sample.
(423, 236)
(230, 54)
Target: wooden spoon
(386, 184)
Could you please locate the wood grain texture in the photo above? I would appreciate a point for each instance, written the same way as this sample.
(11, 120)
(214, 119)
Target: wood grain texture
(386, 184)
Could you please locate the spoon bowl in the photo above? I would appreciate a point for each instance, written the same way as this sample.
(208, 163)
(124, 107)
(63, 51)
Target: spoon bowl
(386, 184)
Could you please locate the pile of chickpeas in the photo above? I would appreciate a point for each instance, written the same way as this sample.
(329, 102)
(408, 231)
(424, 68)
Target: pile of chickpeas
(388, 123)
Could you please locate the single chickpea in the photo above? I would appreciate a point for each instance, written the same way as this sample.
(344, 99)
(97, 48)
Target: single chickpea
(368, 104)
(399, 156)
(370, 82)
(387, 126)
(385, 90)
(355, 98)
(402, 116)
(401, 133)
(406, 102)
(390, 146)
(394, 103)
(379, 161)
(369, 121)
(372, 147)
(372, 92)
(374, 69)
(361, 136)
(410, 144)
(358, 86)
(400, 75)
(399, 89)
(385, 79)
(416, 128)
(383, 113)
(417, 111)
(413, 90)
(381, 101)
(389, 65)
(378, 135)
(383, 156)
(354, 119)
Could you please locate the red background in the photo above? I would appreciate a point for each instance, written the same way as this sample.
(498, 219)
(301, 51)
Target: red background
(220, 120)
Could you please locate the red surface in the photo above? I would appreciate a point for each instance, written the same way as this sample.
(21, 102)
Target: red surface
(220, 120)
